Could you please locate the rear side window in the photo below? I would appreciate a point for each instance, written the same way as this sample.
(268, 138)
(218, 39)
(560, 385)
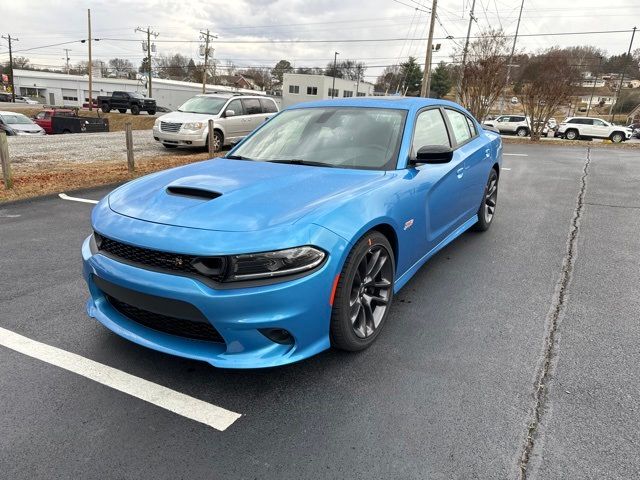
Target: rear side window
(430, 130)
(268, 105)
(251, 106)
(517, 119)
(459, 125)
(236, 106)
(472, 127)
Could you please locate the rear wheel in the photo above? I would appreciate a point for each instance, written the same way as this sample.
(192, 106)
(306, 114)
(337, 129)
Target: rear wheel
(617, 137)
(122, 110)
(487, 209)
(522, 132)
(105, 108)
(571, 135)
(135, 109)
(364, 293)
(151, 112)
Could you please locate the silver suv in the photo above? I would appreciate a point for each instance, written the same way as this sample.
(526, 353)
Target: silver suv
(514, 124)
(234, 117)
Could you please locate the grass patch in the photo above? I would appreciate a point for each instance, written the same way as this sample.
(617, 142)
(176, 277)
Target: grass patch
(67, 177)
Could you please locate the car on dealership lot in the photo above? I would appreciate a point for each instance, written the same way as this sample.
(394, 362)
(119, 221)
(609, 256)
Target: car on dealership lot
(123, 101)
(519, 125)
(18, 124)
(575, 128)
(56, 120)
(234, 117)
(26, 100)
(296, 240)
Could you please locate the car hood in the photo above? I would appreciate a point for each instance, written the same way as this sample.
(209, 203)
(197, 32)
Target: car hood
(183, 117)
(25, 127)
(236, 195)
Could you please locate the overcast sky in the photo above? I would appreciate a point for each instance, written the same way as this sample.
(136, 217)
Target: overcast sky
(37, 23)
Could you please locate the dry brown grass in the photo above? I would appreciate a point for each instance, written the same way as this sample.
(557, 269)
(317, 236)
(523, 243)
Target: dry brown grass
(116, 120)
(68, 177)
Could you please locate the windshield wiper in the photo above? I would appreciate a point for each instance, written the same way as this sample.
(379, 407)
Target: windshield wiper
(297, 161)
(237, 157)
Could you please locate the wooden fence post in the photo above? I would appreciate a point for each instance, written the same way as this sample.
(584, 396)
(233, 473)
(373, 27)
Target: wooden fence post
(129, 137)
(212, 150)
(4, 160)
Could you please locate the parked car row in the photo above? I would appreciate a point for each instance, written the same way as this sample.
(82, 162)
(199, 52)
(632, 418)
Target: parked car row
(18, 124)
(235, 116)
(7, 98)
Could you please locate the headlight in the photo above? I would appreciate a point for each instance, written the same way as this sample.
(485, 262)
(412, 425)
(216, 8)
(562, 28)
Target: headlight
(273, 264)
(194, 126)
(157, 122)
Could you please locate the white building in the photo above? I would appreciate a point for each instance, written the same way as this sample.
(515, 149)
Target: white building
(61, 89)
(297, 87)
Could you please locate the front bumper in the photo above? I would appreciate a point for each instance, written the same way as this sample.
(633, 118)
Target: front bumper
(195, 139)
(300, 306)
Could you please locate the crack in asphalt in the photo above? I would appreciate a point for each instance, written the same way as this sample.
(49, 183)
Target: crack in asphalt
(611, 206)
(558, 306)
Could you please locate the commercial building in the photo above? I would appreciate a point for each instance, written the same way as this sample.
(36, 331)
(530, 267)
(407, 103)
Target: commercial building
(61, 89)
(297, 87)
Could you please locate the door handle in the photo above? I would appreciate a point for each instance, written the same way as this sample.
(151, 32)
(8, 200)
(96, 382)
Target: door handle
(460, 172)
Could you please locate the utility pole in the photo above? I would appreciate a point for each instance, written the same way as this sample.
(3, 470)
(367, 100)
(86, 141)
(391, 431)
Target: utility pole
(426, 77)
(624, 70)
(513, 51)
(595, 80)
(205, 36)
(13, 86)
(66, 59)
(333, 87)
(464, 52)
(90, 62)
(149, 32)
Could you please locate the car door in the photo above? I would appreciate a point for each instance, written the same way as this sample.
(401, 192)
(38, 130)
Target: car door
(118, 100)
(475, 151)
(503, 123)
(235, 125)
(599, 128)
(269, 108)
(253, 114)
(441, 183)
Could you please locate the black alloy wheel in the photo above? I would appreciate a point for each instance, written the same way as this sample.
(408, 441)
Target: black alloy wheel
(364, 293)
(487, 210)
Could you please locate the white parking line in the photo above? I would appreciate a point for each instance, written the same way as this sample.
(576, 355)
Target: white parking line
(163, 397)
(64, 196)
(516, 154)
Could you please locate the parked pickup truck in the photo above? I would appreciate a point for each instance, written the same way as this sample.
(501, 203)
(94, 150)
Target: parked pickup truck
(66, 120)
(123, 101)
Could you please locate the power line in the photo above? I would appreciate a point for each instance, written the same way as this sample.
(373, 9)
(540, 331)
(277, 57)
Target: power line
(410, 6)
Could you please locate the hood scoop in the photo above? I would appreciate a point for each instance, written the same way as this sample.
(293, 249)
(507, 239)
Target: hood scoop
(193, 192)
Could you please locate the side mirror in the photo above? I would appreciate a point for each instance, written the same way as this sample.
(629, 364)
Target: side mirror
(432, 154)
(229, 113)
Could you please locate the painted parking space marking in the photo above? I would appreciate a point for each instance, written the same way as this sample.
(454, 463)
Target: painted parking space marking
(504, 168)
(163, 397)
(64, 196)
(516, 154)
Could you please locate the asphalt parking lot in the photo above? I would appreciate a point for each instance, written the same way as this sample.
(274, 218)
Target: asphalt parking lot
(550, 294)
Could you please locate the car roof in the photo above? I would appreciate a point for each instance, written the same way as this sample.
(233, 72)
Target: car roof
(10, 113)
(392, 101)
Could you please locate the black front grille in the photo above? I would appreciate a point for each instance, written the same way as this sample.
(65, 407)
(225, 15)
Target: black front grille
(211, 267)
(163, 323)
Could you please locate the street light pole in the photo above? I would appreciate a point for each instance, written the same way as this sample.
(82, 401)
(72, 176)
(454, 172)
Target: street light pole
(90, 62)
(426, 76)
(624, 70)
(13, 86)
(513, 50)
(333, 87)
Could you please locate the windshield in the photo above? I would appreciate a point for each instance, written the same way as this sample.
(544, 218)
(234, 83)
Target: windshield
(208, 105)
(16, 119)
(137, 95)
(347, 137)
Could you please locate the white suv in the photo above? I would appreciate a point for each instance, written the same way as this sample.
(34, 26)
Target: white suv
(234, 117)
(513, 124)
(574, 128)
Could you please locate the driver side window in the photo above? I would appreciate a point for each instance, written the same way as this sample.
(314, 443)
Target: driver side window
(430, 130)
(236, 106)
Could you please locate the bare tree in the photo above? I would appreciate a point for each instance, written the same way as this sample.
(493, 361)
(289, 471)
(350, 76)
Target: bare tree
(484, 74)
(121, 67)
(547, 84)
(389, 80)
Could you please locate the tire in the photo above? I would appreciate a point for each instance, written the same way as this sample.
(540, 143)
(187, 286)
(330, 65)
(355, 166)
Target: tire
(151, 112)
(168, 145)
(522, 132)
(617, 137)
(487, 209)
(106, 108)
(122, 110)
(361, 304)
(218, 141)
(65, 131)
(135, 110)
(571, 134)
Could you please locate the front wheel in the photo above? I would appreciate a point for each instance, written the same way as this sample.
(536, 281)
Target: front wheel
(135, 109)
(217, 141)
(151, 112)
(571, 135)
(364, 293)
(487, 209)
(617, 137)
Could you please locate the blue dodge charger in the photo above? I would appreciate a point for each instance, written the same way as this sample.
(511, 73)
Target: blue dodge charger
(298, 239)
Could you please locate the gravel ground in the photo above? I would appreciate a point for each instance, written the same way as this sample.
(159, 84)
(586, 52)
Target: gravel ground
(28, 152)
